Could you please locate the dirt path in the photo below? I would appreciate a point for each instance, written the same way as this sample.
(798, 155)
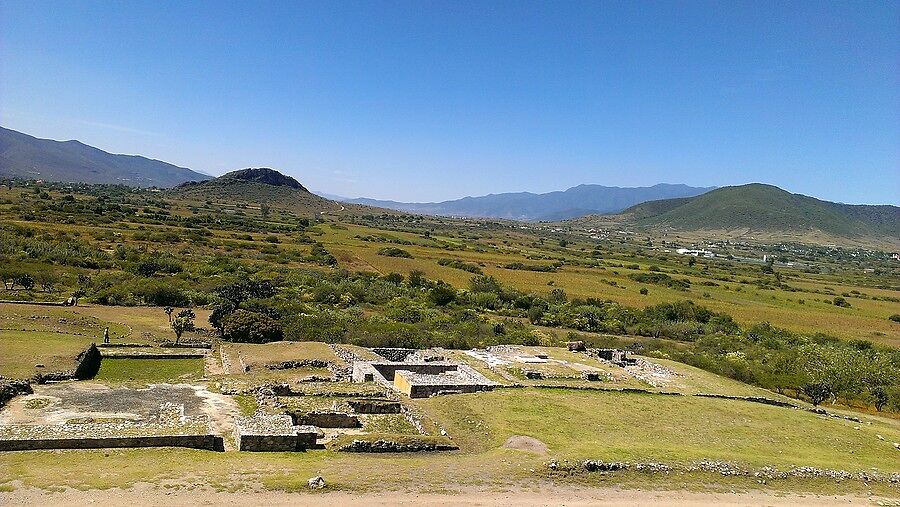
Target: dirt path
(145, 494)
(221, 411)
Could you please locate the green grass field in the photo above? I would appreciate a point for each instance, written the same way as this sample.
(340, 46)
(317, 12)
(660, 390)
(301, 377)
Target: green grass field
(620, 426)
(21, 351)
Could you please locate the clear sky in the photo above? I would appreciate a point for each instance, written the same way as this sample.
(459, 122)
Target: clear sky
(435, 100)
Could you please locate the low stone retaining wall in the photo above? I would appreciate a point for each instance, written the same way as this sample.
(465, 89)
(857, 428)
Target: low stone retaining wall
(303, 363)
(374, 406)
(38, 303)
(379, 446)
(208, 442)
(326, 419)
(723, 468)
(153, 355)
(753, 399)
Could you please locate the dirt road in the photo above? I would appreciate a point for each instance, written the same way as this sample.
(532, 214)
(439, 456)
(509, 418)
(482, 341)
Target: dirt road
(145, 494)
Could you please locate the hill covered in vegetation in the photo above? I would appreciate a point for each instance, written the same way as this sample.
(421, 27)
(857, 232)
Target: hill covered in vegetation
(27, 157)
(265, 188)
(759, 208)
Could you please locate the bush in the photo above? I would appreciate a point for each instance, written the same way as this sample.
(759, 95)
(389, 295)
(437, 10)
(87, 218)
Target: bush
(895, 317)
(251, 327)
(839, 301)
(441, 294)
(162, 294)
(391, 251)
(458, 264)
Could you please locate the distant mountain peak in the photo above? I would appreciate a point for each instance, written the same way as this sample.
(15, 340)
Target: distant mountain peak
(265, 176)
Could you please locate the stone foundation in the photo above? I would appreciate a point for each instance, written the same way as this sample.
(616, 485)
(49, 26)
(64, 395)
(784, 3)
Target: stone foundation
(208, 442)
(273, 433)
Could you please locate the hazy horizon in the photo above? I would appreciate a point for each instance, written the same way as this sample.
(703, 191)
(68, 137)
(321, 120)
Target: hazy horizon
(431, 102)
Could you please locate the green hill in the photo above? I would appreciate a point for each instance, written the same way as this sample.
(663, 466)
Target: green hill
(256, 186)
(769, 209)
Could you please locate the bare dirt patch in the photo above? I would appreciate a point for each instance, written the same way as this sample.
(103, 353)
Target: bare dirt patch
(145, 494)
(524, 443)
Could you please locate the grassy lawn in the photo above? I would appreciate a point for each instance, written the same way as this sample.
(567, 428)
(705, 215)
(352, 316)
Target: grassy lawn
(617, 426)
(257, 355)
(20, 351)
(149, 371)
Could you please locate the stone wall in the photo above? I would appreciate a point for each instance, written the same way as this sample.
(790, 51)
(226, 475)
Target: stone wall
(10, 388)
(753, 399)
(387, 370)
(393, 354)
(374, 406)
(87, 364)
(208, 442)
(326, 419)
(408, 445)
(272, 433)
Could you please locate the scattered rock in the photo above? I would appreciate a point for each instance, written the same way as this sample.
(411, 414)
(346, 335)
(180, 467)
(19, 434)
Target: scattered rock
(316, 482)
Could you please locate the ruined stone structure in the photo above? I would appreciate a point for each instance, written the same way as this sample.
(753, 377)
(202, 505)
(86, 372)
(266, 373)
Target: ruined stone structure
(618, 357)
(394, 354)
(422, 379)
(268, 433)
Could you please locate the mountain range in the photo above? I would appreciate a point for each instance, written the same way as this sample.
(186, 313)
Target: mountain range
(28, 157)
(526, 206)
(755, 210)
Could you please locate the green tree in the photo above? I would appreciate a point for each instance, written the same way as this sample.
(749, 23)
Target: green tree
(181, 324)
(441, 294)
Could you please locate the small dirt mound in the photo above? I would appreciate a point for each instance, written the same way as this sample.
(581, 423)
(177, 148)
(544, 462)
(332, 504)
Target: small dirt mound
(524, 443)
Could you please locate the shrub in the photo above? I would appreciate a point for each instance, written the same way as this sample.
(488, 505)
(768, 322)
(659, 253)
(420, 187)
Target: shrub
(391, 251)
(251, 327)
(162, 294)
(441, 294)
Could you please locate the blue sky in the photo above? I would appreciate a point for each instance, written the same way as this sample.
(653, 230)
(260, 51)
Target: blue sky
(437, 100)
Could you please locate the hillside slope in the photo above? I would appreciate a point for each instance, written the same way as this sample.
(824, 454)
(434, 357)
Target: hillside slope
(28, 157)
(574, 202)
(256, 186)
(758, 208)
